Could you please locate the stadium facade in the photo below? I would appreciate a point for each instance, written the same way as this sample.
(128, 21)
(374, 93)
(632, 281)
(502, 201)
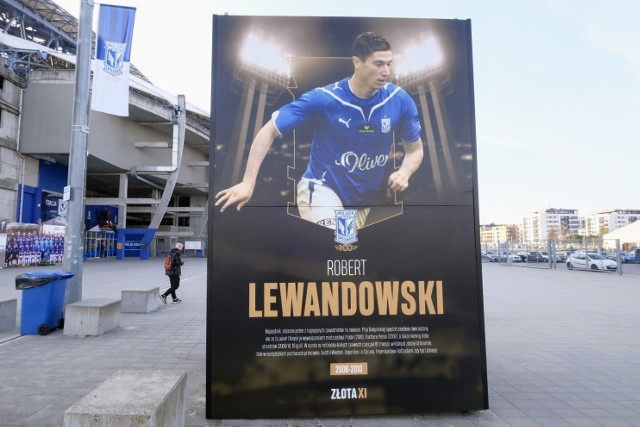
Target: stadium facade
(147, 171)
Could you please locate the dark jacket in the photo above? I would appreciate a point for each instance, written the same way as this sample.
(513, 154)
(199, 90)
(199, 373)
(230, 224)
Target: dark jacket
(177, 263)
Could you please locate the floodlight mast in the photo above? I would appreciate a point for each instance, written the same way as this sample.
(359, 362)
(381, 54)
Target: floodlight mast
(73, 239)
(263, 68)
(420, 72)
(420, 60)
(266, 60)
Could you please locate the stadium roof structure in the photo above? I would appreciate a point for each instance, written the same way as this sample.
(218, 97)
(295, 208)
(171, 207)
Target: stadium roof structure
(40, 34)
(45, 23)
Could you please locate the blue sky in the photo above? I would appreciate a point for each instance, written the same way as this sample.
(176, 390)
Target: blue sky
(557, 87)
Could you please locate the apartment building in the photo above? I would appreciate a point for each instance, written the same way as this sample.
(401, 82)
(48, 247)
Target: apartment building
(549, 223)
(494, 234)
(610, 220)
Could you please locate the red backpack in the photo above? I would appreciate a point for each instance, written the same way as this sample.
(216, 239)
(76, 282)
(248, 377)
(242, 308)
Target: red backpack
(168, 262)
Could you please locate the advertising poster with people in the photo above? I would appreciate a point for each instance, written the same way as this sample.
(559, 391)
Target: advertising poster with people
(344, 265)
(27, 245)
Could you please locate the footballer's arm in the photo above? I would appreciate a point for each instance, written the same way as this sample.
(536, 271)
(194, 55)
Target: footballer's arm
(242, 192)
(413, 153)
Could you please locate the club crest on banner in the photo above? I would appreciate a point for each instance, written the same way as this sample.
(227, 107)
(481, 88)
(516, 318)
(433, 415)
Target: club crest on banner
(114, 57)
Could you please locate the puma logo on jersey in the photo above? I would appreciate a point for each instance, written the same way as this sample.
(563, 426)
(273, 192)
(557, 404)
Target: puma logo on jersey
(346, 123)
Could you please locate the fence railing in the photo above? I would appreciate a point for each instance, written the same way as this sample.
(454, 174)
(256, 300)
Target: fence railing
(592, 253)
(99, 244)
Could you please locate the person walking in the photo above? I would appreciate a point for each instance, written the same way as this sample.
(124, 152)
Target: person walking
(174, 273)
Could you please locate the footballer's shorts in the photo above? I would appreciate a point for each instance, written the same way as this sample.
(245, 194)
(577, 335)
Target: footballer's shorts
(318, 203)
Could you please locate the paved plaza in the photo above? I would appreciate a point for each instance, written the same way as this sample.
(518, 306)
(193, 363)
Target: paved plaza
(562, 349)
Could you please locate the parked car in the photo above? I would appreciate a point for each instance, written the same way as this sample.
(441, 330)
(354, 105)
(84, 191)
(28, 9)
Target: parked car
(590, 261)
(509, 257)
(492, 256)
(563, 255)
(625, 257)
(628, 257)
(523, 256)
(514, 258)
(546, 256)
(537, 256)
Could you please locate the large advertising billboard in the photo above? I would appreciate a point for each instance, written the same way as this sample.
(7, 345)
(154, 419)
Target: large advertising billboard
(344, 269)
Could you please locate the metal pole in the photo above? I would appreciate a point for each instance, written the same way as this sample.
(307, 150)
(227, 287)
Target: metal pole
(73, 239)
(618, 257)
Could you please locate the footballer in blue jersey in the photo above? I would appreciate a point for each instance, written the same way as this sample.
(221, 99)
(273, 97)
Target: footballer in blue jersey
(352, 137)
(354, 124)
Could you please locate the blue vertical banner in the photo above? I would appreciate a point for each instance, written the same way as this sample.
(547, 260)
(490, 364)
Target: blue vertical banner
(110, 91)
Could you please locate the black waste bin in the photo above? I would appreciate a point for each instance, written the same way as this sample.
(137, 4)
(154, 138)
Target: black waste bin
(42, 300)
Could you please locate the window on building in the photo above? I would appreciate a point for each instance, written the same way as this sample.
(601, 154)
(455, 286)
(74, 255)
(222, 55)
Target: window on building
(166, 220)
(184, 201)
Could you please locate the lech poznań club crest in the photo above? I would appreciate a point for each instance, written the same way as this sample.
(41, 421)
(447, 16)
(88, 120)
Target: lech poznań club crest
(114, 57)
(62, 208)
(346, 226)
(385, 125)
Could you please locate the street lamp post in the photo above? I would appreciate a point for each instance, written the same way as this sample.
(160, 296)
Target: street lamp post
(73, 239)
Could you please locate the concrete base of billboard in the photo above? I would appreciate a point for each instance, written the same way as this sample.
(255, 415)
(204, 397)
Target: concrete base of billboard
(91, 317)
(133, 397)
(139, 300)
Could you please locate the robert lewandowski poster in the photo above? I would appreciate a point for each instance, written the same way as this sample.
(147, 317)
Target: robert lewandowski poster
(344, 269)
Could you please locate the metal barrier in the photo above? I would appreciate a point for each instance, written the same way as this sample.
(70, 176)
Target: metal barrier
(538, 254)
(551, 253)
(100, 244)
(193, 247)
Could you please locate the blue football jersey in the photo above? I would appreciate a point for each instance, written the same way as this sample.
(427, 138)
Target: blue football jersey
(352, 136)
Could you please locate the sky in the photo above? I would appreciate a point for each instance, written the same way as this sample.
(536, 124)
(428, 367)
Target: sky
(557, 87)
